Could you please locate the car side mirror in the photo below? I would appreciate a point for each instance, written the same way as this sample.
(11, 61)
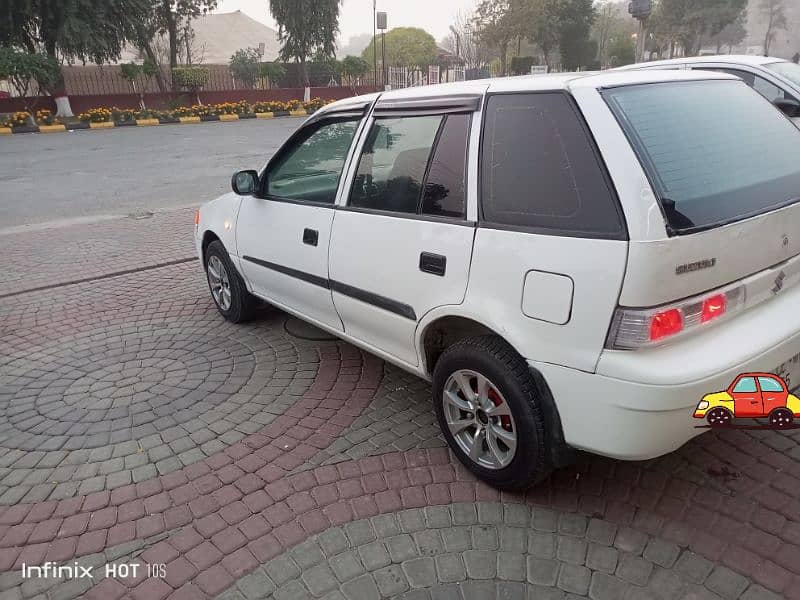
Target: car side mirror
(245, 182)
(789, 107)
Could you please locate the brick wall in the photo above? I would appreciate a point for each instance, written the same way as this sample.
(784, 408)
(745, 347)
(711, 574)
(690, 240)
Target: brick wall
(163, 101)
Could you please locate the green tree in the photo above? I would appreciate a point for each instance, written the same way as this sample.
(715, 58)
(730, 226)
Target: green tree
(272, 72)
(23, 69)
(172, 17)
(540, 21)
(690, 23)
(732, 35)
(138, 74)
(354, 68)
(498, 23)
(306, 28)
(621, 51)
(405, 47)
(190, 78)
(575, 18)
(82, 30)
(775, 13)
(245, 66)
(612, 22)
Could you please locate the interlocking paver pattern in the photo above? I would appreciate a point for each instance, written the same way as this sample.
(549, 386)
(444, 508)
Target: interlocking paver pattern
(260, 461)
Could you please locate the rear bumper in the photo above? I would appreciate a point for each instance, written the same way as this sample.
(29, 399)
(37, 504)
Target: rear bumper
(637, 420)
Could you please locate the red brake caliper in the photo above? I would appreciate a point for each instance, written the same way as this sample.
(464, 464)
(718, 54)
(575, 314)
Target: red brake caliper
(505, 420)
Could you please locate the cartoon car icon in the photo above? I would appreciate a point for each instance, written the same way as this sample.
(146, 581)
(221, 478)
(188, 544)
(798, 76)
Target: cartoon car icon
(751, 395)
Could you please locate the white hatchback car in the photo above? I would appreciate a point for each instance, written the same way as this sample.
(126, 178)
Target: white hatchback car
(776, 79)
(574, 262)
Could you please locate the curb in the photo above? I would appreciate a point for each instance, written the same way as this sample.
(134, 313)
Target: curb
(51, 128)
(151, 122)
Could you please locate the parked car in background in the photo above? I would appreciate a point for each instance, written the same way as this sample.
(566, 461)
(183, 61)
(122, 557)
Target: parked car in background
(571, 260)
(776, 79)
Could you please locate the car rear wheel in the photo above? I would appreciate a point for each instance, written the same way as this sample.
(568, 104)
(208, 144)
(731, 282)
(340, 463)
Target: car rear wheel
(228, 290)
(719, 417)
(781, 418)
(486, 403)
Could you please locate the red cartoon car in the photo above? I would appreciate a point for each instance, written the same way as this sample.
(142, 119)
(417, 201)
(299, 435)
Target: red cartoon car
(751, 395)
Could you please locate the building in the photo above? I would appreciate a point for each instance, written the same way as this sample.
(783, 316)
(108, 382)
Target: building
(786, 41)
(217, 36)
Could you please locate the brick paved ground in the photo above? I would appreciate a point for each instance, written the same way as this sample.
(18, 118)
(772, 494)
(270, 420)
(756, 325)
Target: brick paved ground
(266, 461)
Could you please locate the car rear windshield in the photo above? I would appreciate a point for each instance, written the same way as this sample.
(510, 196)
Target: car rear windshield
(715, 151)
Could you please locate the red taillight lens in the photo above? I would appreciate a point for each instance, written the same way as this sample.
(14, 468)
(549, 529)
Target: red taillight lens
(713, 307)
(197, 217)
(665, 323)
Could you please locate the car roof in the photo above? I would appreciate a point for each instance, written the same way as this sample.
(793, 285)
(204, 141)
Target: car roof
(551, 82)
(738, 59)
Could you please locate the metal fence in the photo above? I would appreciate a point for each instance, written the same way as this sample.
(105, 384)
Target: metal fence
(107, 79)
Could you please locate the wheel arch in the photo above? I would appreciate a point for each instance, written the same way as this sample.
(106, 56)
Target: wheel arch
(437, 333)
(208, 237)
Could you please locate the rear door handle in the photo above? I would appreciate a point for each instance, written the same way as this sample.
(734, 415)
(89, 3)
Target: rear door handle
(436, 264)
(310, 237)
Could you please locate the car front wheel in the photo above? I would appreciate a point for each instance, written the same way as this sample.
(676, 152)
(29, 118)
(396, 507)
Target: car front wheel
(487, 406)
(228, 290)
(719, 417)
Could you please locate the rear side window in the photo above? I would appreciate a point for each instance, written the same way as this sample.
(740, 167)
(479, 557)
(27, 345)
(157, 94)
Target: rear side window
(414, 165)
(715, 151)
(768, 384)
(540, 169)
(444, 191)
(393, 163)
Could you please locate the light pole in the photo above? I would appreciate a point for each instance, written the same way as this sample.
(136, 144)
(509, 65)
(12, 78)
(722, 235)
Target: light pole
(382, 24)
(375, 42)
(458, 41)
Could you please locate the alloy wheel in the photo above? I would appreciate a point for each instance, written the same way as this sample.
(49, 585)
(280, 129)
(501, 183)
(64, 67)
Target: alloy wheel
(479, 419)
(219, 282)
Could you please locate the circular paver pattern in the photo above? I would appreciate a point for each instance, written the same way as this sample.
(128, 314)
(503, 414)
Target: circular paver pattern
(131, 400)
(116, 387)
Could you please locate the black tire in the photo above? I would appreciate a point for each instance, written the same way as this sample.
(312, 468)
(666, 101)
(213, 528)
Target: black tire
(242, 303)
(496, 360)
(719, 417)
(781, 418)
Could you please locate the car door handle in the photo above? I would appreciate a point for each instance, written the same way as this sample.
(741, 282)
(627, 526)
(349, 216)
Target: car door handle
(310, 237)
(436, 264)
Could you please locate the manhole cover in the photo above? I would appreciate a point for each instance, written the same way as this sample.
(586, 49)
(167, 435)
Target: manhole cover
(305, 331)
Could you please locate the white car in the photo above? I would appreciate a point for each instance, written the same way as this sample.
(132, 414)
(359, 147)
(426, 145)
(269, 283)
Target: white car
(574, 262)
(776, 79)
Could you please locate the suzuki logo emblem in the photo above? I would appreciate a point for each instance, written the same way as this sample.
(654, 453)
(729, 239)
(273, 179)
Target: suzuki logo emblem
(779, 282)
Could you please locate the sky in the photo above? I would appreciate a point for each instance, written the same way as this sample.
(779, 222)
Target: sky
(355, 17)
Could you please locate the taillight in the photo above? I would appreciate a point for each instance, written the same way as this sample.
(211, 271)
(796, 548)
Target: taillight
(634, 328)
(665, 324)
(197, 217)
(713, 308)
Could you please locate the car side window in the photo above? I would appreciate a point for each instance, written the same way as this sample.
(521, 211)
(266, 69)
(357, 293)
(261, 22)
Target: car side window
(445, 186)
(540, 169)
(770, 91)
(392, 165)
(310, 169)
(768, 384)
(746, 384)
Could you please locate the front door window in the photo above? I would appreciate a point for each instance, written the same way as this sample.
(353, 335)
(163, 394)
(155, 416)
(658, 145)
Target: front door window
(310, 169)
